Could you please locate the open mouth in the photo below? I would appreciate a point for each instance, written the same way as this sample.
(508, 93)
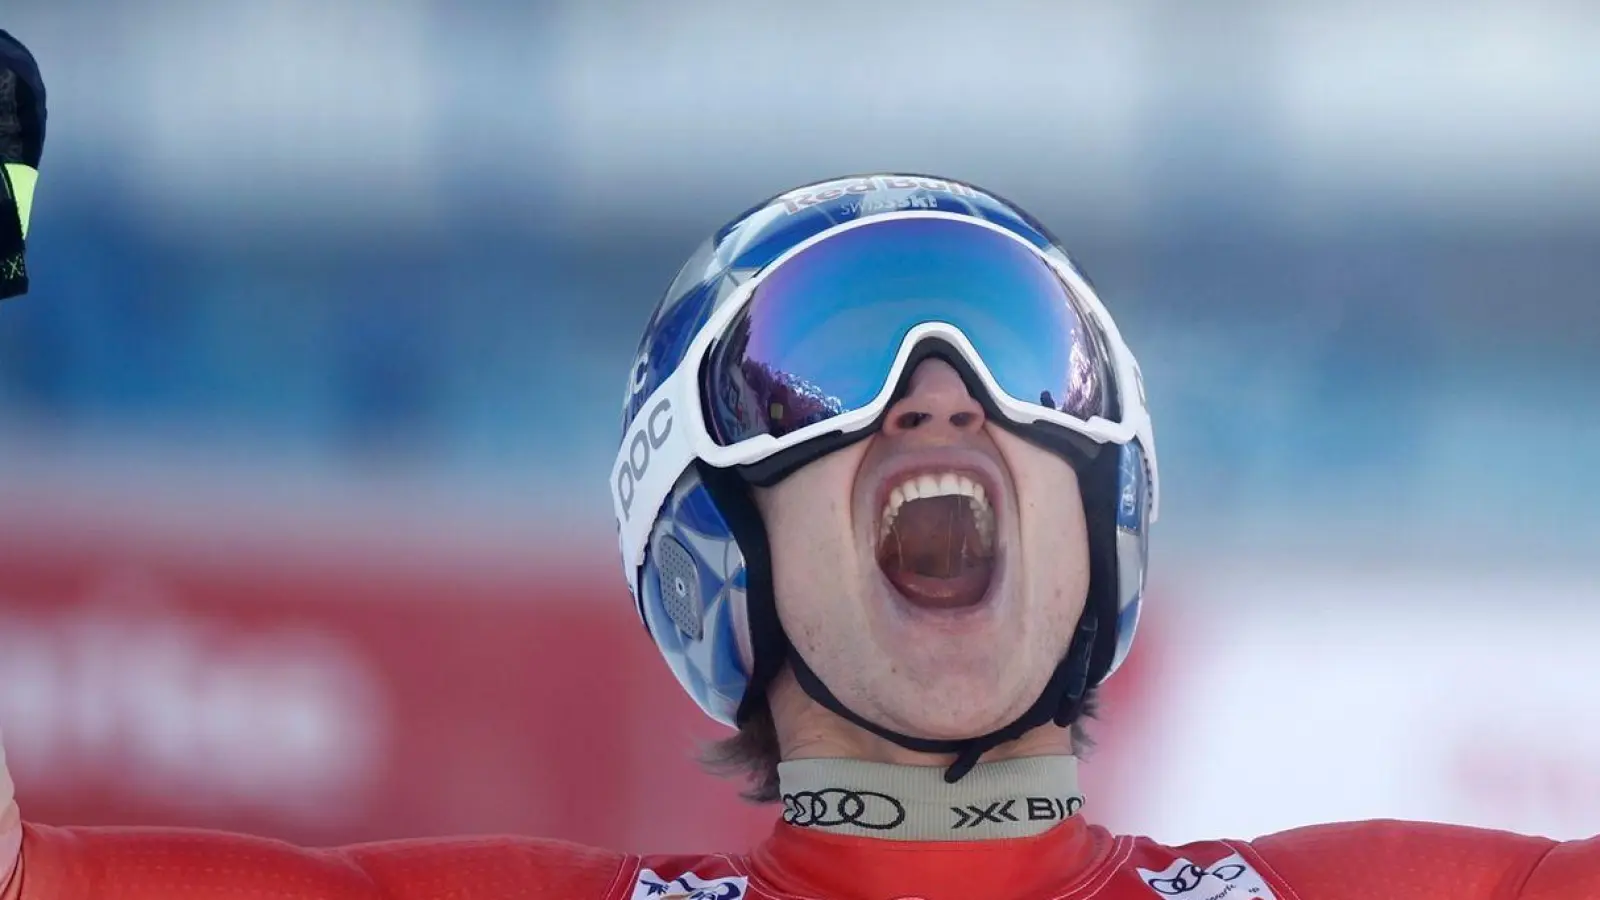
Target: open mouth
(936, 540)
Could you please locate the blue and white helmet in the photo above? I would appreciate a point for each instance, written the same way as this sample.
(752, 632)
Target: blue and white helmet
(701, 581)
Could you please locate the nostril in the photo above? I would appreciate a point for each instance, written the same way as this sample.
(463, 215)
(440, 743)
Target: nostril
(910, 420)
(963, 419)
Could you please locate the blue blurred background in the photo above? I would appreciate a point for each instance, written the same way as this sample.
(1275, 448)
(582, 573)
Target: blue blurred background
(304, 259)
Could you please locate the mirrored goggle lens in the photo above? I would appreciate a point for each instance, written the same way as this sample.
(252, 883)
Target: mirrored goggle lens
(820, 334)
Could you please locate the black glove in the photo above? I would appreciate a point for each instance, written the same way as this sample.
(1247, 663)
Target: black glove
(21, 145)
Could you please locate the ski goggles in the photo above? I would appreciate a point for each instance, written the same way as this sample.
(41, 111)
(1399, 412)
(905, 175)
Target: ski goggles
(817, 342)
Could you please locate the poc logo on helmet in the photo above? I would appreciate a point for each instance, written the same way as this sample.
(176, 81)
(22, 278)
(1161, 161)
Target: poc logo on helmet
(654, 429)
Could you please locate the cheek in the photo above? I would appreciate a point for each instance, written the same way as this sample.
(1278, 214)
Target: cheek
(810, 530)
(812, 505)
(806, 514)
(1058, 548)
(1054, 536)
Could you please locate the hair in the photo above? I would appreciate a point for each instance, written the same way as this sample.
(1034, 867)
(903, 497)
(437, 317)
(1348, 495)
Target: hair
(753, 752)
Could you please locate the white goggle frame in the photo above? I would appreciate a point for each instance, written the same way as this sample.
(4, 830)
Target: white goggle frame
(669, 433)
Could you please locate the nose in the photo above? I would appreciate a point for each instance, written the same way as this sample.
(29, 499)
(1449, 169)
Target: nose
(936, 404)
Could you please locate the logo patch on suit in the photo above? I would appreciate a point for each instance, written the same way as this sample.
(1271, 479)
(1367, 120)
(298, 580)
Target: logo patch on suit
(1229, 878)
(688, 886)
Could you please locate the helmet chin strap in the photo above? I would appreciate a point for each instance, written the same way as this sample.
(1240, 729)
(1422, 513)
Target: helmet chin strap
(1060, 704)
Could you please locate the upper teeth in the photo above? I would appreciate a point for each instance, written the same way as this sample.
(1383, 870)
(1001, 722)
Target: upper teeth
(940, 484)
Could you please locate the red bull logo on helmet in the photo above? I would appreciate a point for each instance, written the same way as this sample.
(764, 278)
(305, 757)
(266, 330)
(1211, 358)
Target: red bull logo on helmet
(868, 194)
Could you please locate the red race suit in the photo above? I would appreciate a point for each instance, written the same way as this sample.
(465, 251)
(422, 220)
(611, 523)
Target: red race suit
(1036, 845)
(1073, 861)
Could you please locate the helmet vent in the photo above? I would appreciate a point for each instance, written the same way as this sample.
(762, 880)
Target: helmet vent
(680, 586)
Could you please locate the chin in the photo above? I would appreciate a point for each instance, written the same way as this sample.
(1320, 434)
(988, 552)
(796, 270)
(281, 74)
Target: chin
(954, 727)
(947, 674)
(950, 706)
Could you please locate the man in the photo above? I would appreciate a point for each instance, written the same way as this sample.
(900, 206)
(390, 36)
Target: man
(882, 497)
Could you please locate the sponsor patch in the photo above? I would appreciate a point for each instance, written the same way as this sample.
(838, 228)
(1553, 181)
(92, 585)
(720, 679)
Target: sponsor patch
(688, 886)
(1230, 877)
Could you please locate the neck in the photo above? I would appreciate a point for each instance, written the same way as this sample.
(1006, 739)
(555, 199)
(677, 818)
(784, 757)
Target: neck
(806, 730)
(1010, 799)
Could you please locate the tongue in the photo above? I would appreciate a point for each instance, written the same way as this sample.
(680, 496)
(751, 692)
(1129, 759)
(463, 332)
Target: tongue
(935, 556)
(959, 591)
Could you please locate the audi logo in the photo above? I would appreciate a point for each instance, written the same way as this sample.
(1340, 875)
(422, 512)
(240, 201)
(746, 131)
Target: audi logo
(836, 806)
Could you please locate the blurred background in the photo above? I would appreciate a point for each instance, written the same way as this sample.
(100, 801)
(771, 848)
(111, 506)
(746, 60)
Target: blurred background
(304, 429)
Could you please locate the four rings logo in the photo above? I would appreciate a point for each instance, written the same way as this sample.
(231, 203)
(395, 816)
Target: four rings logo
(836, 806)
